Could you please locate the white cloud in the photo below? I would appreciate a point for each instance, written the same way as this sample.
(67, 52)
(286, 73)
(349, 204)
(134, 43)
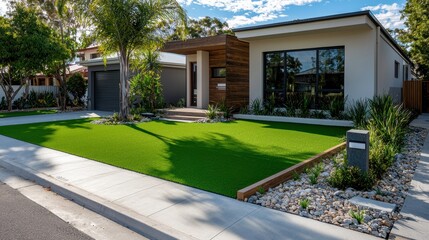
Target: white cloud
(251, 11)
(240, 20)
(3, 7)
(388, 15)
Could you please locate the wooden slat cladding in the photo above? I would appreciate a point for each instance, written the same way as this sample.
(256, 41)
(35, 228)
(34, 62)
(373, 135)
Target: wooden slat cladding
(190, 46)
(412, 95)
(237, 73)
(224, 51)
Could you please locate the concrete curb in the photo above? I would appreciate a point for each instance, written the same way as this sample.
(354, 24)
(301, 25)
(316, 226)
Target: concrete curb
(136, 222)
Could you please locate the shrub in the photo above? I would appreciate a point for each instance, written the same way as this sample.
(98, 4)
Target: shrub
(320, 114)
(244, 110)
(270, 104)
(358, 215)
(261, 190)
(181, 103)
(336, 106)
(344, 176)
(295, 176)
(313, 178)
(292, 103)
(388, 122)
(115, 117)
(212, 111)
(305, 106)
(146, 88)
(380, 157)
(76, 86)
(226, 111)
(304, 203)
(358, 112)
(256, 107)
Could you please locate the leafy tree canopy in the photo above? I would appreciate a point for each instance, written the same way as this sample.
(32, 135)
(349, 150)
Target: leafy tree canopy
(416, 34)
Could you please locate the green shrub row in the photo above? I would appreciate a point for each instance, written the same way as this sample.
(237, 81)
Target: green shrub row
(299, 105)
(387, 124)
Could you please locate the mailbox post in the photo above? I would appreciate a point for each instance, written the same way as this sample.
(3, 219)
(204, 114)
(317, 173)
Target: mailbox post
(358, 149)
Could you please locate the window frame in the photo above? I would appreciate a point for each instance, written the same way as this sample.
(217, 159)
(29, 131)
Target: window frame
(285, 52)
(213, 69)
(396, 69)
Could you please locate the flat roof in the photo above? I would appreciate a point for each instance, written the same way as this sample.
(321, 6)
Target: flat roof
(165, 58)
(331, 17)
(191, 46)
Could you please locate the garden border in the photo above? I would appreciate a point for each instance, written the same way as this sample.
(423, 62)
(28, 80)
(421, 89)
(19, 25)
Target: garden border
(315, 121)
(288, 173)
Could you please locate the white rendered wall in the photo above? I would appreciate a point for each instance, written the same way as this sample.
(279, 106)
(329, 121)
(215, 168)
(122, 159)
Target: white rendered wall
(360, 57)
(387, 82)
(203, 70)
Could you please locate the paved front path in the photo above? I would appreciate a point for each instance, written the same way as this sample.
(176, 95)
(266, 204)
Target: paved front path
(52, 117)
(156, 207)
(415, 224)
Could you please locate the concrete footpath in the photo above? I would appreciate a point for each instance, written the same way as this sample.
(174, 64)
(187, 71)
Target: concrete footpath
(156, 208)
(52, 117)
(415, 224)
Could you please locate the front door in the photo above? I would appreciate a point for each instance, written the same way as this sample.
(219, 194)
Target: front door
(193, 89)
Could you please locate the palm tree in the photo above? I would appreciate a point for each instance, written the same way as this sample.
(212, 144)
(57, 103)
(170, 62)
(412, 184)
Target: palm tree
(126, 27)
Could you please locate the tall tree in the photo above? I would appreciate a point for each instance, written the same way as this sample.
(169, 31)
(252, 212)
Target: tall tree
(198, 28)
(416, 34)
(28, 46)
(62, 17)
(207, 26)
(126, 26)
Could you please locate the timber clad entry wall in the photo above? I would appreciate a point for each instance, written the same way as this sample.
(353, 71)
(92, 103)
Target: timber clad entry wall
(106, 86)
(237, 72)
(228, 63)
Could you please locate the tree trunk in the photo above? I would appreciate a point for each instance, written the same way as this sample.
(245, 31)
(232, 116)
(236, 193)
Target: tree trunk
(124, 85)
(63, 87)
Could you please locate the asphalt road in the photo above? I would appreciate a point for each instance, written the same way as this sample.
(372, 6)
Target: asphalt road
(21, 218)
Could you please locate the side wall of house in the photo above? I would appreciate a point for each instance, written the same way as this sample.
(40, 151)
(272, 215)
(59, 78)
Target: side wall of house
(360, 48)
(388, 83)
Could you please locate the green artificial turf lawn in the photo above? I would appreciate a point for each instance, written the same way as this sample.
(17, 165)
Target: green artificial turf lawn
(25, 113)
(220, 157)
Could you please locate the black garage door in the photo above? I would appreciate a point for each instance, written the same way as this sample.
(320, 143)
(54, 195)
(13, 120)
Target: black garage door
(106, 91)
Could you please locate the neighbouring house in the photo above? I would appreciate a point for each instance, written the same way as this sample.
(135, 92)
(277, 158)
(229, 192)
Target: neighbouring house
(48, 80)
(349, 56)
(103, 80)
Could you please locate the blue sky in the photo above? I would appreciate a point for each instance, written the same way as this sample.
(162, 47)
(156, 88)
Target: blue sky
(239, 13)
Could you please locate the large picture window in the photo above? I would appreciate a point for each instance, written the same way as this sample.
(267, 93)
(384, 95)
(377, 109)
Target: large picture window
(316, 75)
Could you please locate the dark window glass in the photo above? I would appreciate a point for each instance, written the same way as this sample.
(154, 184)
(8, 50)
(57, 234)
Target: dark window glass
(305, 75)
(94, 55)
(405, 73)
(218, 72)
(396, 69)
(331, 76)
(301, 74)
(275, 76)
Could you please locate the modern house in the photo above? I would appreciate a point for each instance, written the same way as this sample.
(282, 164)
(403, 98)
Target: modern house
(347, 55)
(103, 80)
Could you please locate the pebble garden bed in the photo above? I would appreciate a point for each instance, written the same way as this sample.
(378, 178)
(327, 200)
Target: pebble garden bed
(331, 205)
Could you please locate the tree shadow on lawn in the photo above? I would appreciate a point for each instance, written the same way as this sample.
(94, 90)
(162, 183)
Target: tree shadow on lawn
(218, 162)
